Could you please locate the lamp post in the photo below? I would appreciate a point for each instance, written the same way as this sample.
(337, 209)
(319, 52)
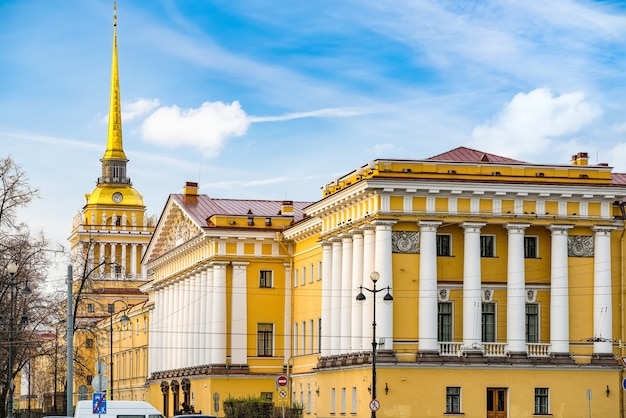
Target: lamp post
(12, 270)
(123, 319)
(374, 276)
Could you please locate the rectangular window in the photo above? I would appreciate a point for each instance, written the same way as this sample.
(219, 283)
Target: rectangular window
(319, 335)
(311, 274)
(265, 278)
(444, 321)
(532, 323)
(89, 343)
(453, 399)
(308, 402)
(332, 400)
(542, 401)
(489, 322)
(295, 339)
(265, 340)
(487, 247)
(303, 337)
(295, 278)
(353, 400)
(530, 247)
(303, 276)
(319, 270)
(91, 308)
(343, 400)
(443, 245)
(311, 336)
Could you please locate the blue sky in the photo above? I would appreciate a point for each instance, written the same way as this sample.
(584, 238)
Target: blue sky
(272, 99)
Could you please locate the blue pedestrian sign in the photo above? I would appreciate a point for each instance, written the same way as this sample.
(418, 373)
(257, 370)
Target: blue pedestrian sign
(99, 403)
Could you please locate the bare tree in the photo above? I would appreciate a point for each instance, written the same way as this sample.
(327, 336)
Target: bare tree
(28, 251)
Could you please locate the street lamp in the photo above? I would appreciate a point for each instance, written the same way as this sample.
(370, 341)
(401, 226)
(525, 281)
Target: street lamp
(123, 319)
(374, 276)
(12, 270)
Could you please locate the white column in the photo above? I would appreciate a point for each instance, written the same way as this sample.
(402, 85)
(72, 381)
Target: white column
(335, 326)
(180, 327)
(516, 290)
(201, 323)
(218, 342)
(186, 324)
(288, 314)
(384, 311)
(369, 257)
(166, 337)
(123, 263)
(207, 318)
(196, 331)
(326, 299)
(427, 295)
(346, 293)
(559, 290)
(602, 307)
(133, 261)
(113, 268)
(357, 280)
(472, 311)
(239, 315)
(155, 330)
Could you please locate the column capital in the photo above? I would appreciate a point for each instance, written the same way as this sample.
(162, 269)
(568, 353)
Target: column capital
(219, 264)
(240, 264)
(472, 226)
(557, 229)
(601, 230)
(345, 236)
(356, 232)
(326, 243)
(430, 226)
(384, 223)
(367, 227)
(514, 228)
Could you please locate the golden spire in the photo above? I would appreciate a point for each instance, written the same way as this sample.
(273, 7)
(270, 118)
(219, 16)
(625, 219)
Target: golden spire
(115, 149)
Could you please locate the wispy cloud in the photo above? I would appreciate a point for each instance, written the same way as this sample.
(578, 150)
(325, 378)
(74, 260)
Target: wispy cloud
(530, 122)
(52, 140)
(321, 113)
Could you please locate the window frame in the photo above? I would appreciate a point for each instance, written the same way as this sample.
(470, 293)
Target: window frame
(265, 340)
(445, 331)
(444, 245)
(487, 246)
(528, 315)
(263, 280)
(531, 250)
(542, 401)
(453, 399)
(486, 315)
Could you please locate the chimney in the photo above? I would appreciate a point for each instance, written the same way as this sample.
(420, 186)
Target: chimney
(582, 158)
(190, 189)
(286, 208)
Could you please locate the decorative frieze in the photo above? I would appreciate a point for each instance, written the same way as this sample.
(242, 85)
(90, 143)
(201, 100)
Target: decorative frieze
(580, 246)
(405, 242)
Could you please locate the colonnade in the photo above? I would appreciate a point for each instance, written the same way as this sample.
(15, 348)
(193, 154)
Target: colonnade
(133, 260)
(348, 259)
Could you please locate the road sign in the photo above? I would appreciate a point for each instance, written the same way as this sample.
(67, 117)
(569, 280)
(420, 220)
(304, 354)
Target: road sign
(281, 380)
(99, 405)
(99, 383)
(374, 405)
(282, 394)
(624, 383)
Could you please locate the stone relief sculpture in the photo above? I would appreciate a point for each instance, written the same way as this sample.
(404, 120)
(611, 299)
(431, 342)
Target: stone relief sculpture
(405, 242)
(580, 246)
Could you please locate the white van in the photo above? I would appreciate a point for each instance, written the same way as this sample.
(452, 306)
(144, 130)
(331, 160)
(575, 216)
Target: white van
(118, 409)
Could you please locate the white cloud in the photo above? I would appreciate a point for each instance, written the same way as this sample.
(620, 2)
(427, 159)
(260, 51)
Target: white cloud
(205, 129)
(138, 108)
(329, 113)
(530, 122)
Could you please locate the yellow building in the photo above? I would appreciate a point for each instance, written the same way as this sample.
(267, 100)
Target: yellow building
(506, 280)
(507, 287)
(108, 240)
(220, 300)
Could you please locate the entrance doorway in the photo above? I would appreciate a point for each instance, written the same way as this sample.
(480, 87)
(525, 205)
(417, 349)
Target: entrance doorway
(496, 403)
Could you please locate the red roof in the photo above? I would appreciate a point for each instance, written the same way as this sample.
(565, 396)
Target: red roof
(469, 155)
(202, 207)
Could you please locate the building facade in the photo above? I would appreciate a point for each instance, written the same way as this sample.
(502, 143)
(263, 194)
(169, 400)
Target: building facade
(506, 280)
